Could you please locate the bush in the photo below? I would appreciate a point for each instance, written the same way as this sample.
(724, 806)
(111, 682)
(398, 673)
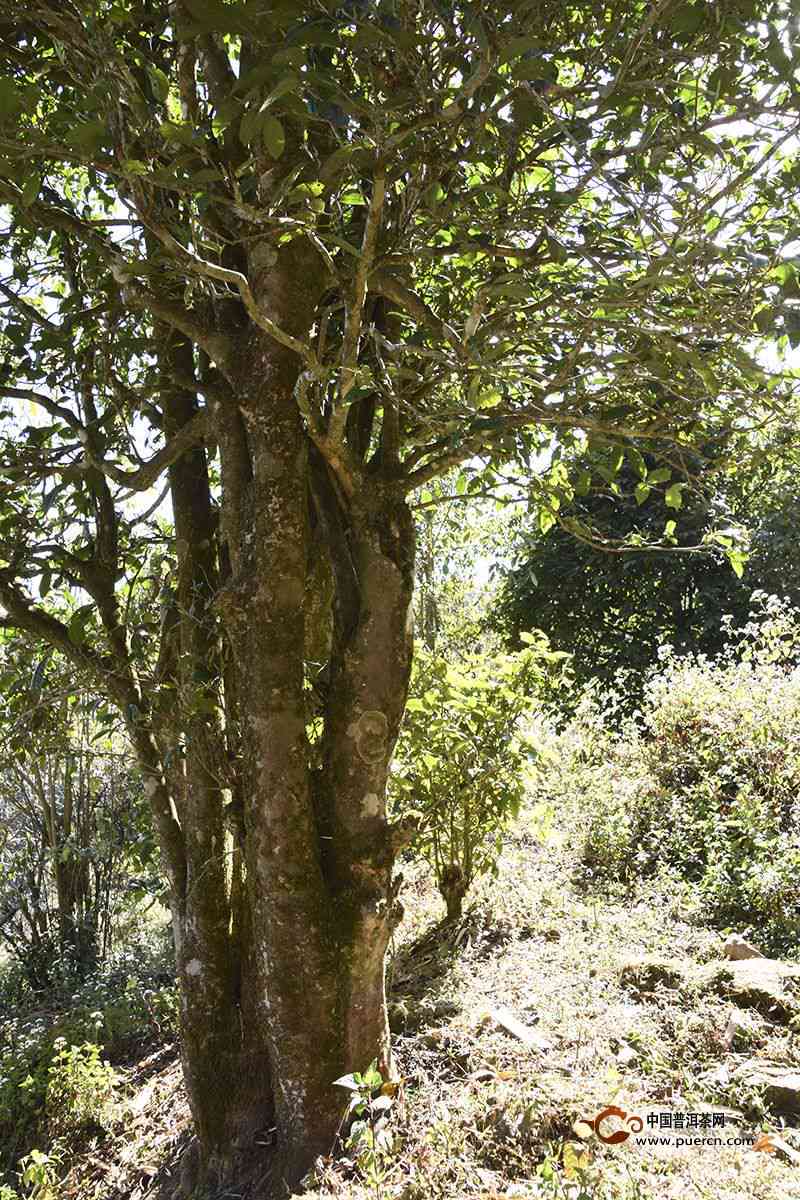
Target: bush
(130, 998)
(79, 1089)
(705, 780)
(462, 758)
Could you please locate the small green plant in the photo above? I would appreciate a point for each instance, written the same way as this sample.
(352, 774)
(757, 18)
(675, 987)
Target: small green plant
(463, 756)
(79, 1088)
(38, 1175)
(369, 1142)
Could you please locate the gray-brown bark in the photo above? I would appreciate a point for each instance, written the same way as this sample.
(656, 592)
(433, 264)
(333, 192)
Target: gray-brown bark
(283, 912)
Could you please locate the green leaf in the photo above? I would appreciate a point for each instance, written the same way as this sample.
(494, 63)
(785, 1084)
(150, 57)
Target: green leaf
(206, 175)
(546, 520)
(641, 492)
(11, 100)
(557, 252)
(688, 18)
(249, 126)
(673, 497)
(513, 288)
(174, 132)
(159, 83)
(89, 136)
(289, 83)
(274, 136)
(77, 625)
(637, 461)
(217, 16)
(737, 560)
(489, 397)
(347, 1081)
(518, 46)
(30, 189)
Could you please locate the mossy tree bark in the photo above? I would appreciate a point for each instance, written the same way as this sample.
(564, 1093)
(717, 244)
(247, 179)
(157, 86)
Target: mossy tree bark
(282, 859)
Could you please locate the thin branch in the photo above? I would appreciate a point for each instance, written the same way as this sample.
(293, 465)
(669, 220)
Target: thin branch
(449, 112)
(27, 309)
(352, 332)
(50, 406)
(141, 480)
(387, 285)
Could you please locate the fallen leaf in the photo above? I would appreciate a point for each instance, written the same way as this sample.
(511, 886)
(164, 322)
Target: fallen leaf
(507, 1021)
(773, 1144)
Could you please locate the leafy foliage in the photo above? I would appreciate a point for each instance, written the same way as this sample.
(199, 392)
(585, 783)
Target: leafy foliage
(128, 1000)
(707, 784)
(463, 757)
(79, 1088)
(76, 837)
(369, 1141)
(582, 224)
(612, 611)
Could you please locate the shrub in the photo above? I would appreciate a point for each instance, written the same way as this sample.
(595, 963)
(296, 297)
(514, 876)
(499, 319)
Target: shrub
(705, 781)
(462, 758)
(38, 1175)
(129, 998)
(79, 1088)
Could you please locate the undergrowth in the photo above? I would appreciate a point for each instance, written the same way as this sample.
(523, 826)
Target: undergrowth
(56, 1083)
(703, 782)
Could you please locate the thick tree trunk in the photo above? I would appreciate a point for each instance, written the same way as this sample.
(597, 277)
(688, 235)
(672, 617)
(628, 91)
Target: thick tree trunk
(317, 844)
(280, 852)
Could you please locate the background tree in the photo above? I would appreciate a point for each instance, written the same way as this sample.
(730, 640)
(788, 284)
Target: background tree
(459, 537)
(74, 836)
(612, 610)
(301, 260)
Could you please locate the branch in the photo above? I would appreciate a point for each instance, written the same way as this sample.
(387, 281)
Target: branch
(449, 112)
(390, 287)
(216, 68)
(352, 332)
(483, 441)
(41, 215)
(218, 347)
(210, 270)
(190, 434)
(337, 454)
(55, 410)
(23, 614)
(27, 309)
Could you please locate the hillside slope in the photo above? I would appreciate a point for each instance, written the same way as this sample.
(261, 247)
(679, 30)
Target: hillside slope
(543, 1007)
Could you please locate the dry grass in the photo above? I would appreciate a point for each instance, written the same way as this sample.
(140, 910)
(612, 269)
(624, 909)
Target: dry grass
(482, 1115)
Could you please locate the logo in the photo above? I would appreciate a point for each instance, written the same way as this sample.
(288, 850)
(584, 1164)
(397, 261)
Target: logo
(635, 1125)
(671, 1127)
